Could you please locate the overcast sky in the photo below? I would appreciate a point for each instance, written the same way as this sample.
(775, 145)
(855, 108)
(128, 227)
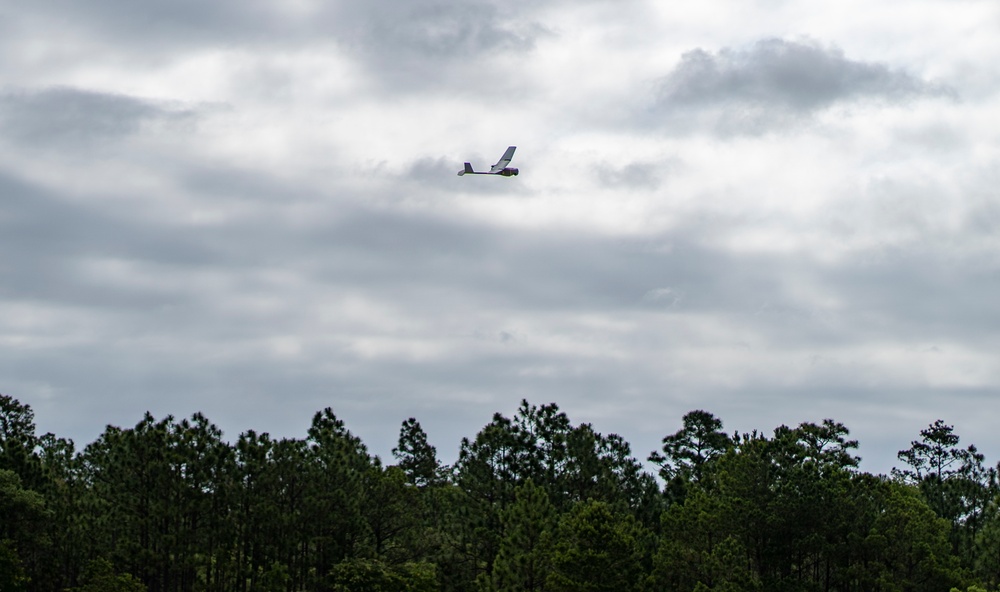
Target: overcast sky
(777, 211)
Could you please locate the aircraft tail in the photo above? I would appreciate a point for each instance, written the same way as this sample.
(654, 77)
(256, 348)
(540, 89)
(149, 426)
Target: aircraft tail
(468, 169)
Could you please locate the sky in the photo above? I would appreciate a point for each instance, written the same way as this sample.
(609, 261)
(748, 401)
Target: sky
(772, 210)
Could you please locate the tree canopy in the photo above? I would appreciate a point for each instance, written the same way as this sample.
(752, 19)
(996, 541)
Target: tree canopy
(533, 503)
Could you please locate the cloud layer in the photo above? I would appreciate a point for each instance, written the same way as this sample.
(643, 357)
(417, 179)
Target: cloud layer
(251, 210)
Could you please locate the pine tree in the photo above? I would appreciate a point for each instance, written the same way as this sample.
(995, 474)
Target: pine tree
(687, 452)
(416, 457)
(524, 559)
(596, 550)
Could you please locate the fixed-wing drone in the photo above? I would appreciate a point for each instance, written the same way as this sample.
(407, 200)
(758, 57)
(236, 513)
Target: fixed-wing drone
(500, 168)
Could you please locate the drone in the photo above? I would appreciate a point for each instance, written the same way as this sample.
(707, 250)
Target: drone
(500, 168)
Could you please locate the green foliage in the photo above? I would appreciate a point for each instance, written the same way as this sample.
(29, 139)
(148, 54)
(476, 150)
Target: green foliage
(534, 503)
(792, 513)
(276, 578)
(363, 575)
(911, 544)
(417, 458)
(100, 576)
(22, 509)
(161, 499)
(525, 556)
(18, 442)
(688, 453)
(957, 487)
(570, 463)
(987, 547)
(597, 550)
(933, 455)
(13, 578)
(393, 513)
(336, 469)
(700, 549)
(22, 518)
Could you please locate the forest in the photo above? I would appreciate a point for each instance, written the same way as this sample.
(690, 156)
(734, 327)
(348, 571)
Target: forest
(532, 503)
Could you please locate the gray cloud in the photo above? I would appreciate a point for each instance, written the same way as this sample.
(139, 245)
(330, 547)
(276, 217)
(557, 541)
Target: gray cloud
(73, 118)
(403, 46)
(435, 264)
(635, 175)
(432, 44)
(431, 28)
(775, 82)
(158, 26)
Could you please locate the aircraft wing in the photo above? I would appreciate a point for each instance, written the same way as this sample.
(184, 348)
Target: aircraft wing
(504, 160)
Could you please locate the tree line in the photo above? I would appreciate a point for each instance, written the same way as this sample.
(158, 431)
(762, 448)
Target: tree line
(534, 502)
